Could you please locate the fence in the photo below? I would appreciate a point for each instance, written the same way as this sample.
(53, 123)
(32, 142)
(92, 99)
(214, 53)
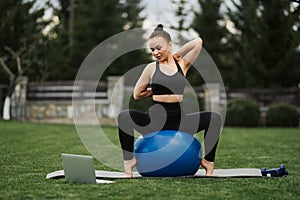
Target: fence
(65, 91)
(52, 101)
(265, 97)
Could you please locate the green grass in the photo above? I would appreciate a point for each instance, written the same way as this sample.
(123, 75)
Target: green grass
(30, 151)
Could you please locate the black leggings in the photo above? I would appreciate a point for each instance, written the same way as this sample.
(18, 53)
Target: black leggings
(168, 116)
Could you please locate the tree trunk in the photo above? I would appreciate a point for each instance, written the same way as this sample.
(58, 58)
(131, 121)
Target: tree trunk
(6, 108)
(7, 102)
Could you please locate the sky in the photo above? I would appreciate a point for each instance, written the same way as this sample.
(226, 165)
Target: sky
(163, 11)
(155, 12)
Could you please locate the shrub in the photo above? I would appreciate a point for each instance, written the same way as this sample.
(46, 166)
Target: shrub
(283, 115)
(242, 112)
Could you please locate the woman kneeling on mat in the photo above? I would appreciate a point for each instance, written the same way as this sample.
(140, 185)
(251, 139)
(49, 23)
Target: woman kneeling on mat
(167, 79)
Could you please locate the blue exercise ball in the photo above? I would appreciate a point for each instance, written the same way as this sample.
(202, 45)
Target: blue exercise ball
(167, 153)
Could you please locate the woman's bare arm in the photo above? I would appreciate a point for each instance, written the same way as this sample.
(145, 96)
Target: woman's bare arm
(141, 89)
(189, 53)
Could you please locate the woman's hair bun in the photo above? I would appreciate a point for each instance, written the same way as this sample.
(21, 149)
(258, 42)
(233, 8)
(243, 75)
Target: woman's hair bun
(159, 27)
(159, 32)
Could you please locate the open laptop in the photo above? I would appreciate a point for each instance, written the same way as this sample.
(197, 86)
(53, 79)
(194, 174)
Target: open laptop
(80, 169)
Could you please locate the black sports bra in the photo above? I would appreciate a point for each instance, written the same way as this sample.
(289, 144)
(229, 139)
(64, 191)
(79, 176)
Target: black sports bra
(164, 84)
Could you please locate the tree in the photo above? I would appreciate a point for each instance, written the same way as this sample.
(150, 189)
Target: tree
(130, 13)
(20, 32)
(243, 40)
(266, 43)
(207, 23)
(131, 10)
(94, 22)
(60, 44)
(21, 45)
(182, 14)
(278, 49)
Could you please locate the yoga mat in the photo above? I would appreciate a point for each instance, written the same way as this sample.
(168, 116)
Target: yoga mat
(218, 173)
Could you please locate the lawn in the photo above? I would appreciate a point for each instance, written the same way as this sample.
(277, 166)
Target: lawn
(30, 151)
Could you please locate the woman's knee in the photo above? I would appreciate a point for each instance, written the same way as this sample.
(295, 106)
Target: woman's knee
(216, 117)
(123, 116)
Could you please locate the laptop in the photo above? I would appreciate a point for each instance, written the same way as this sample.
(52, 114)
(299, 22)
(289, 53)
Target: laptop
(80, 169)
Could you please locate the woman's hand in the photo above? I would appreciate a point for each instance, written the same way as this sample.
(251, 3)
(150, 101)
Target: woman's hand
(176, 57)
(189, 52)
(141, 93)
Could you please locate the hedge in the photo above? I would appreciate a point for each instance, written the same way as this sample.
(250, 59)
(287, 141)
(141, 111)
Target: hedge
(242, 112)
(282, 115)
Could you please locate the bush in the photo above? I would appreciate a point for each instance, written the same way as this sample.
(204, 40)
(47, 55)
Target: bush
(242, 112)
(283, 115)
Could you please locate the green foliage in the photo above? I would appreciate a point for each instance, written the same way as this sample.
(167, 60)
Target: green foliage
(244, 45)
(94, 22)
(281, 45)
(206, 24)
(265, 48)
(260, 50)
(242, 112)
(282, 115)
(20, 32)
(130, 18)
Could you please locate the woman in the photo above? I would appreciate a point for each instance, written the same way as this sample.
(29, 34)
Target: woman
(167, 79)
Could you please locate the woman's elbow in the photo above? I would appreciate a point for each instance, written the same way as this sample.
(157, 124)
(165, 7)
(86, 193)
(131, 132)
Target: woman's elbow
(199, 41)
(135, 96)
(140, 95)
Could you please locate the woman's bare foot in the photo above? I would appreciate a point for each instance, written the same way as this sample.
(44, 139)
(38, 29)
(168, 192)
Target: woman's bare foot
(208, 166)
(129, 165)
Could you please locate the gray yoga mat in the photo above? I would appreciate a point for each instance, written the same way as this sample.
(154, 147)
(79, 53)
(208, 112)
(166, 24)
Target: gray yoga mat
(218, 173)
